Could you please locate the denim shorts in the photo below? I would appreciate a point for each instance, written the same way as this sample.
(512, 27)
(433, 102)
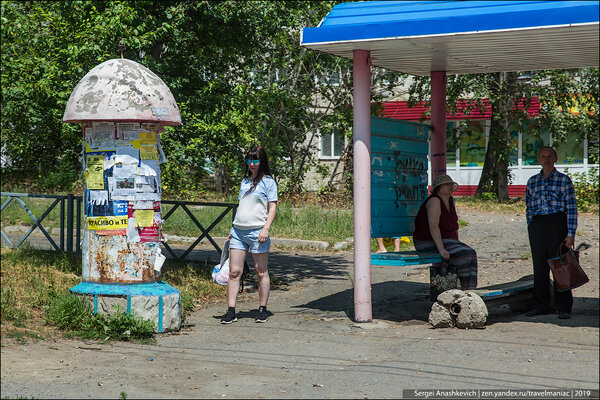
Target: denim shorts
(247, 239)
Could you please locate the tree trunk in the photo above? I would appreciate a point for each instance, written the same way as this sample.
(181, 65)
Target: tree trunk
(507, 103)
(219, 179)
(495, 168)
(489, 166)
(488, 172)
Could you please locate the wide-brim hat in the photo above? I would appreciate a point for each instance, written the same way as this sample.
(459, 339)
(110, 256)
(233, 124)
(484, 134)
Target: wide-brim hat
(442, 179)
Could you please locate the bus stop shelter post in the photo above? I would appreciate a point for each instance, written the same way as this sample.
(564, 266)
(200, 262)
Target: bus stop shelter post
(438, 122)
(362, 186)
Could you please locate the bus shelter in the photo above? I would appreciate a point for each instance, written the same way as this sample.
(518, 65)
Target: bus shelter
(438, 38)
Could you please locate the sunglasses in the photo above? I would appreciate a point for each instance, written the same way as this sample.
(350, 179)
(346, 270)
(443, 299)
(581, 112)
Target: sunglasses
(255, 162)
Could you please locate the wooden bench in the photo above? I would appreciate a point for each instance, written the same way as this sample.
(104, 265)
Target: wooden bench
(407, 258)
(402, 258)
(518, 295)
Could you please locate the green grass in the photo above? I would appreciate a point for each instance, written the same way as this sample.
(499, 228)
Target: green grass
(21, 336)
(30, 277)
(510, 206)
(74, 316)
(312, 223)
(35, 296)
(15, 214)
(309, 222)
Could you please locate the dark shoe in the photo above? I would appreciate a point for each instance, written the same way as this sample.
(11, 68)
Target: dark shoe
(262, 315)
(564, 315)
(536, 311)
(229, 317)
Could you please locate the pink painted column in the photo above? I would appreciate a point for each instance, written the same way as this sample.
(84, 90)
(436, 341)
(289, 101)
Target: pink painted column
(438, 121)
(362, 186)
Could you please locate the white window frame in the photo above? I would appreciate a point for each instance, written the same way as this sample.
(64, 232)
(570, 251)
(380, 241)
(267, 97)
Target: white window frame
(331, 138)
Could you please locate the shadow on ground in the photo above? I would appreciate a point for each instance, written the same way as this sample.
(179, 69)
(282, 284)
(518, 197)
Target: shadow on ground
(291, 267)
(397, 301)
(586, 312)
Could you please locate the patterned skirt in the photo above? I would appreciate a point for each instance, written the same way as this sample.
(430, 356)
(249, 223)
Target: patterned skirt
(462, 258)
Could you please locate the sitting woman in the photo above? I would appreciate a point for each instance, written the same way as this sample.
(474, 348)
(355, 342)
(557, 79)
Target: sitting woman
(436, 228)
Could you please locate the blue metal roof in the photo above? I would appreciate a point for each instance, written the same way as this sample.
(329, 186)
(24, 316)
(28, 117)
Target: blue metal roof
(564, 33)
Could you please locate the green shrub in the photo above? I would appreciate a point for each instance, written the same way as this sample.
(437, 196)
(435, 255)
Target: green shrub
(586, 188)
(489, 196)
(60, 180)
(74, 315)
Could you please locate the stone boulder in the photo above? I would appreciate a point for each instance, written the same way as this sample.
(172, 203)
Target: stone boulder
(440, 317)
(449, 296)
(471, 311)
(455, 308)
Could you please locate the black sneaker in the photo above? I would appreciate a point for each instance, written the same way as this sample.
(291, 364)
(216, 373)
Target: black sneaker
(229, 317)
(262, 315)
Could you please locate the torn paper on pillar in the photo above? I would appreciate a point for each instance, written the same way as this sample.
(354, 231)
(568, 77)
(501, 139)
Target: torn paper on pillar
(127, 155)
(159, 260)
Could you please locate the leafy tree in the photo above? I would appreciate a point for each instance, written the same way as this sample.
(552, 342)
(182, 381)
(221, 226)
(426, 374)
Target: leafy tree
(195, 47)
(235, 68)
(510, 97)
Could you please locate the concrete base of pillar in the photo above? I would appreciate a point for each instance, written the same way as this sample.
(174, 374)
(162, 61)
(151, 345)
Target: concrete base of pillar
(157, 301)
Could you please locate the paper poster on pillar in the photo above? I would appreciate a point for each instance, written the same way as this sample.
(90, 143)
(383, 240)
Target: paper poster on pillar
(146, 184)
(152, 233)
(147, 224)
(148, 138)
(148, 152)
(113, 222)
(150, 168)
(102, 137)
(94, 171)
(128, 132)
(105, 209)
(144, 218)
(123, 188)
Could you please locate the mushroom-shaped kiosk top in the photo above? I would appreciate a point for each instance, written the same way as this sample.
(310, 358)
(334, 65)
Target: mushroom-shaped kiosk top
(122, 90)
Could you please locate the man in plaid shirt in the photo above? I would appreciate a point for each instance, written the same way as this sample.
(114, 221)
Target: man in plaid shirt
(551, 221)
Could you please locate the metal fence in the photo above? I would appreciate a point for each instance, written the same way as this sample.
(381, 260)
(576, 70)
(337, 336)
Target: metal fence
(71, 221)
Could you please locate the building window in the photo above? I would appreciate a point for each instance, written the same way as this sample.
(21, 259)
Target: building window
(451, 144)
(593, 148)
(570, 151)
(513, 156)
(331, 145)
(532, 141)
(472, 144)
(328, 77)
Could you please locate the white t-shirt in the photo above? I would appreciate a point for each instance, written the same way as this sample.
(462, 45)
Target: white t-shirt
(252, 209)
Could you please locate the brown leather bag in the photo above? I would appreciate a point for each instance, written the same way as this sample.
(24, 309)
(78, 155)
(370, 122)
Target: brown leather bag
(566, 270)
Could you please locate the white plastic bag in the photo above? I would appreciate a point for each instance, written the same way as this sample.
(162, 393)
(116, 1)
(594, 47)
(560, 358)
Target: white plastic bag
(220, 272)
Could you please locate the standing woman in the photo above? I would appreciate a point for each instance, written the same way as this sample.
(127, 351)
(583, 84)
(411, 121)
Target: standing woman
(436, 228)
(250, 232)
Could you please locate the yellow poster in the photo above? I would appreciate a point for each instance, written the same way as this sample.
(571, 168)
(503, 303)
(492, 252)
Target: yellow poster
(118, 222)
(94, 172)
(148, 152)
(148, 137)
(144, 218)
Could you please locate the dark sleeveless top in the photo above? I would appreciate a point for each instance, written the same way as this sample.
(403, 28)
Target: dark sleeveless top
(448, 221)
